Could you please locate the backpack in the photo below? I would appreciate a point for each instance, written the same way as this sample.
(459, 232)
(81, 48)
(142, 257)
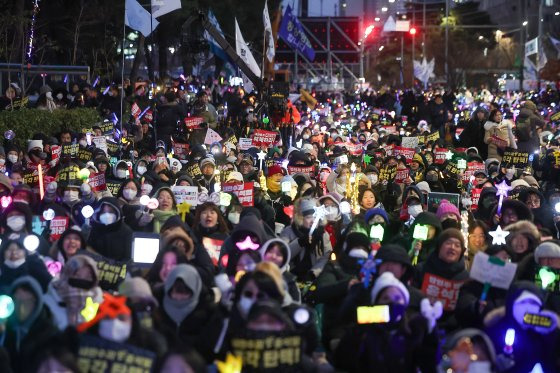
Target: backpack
(523, 128)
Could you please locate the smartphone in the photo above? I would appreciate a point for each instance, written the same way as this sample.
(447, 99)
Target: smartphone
(373, 314)
(145, 247)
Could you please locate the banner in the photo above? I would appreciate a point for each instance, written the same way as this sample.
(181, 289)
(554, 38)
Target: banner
(401, 176)
(492, 270)
(112, 187)
(268, 32)
(387, 173)
(262, 137)
(244, 192)
(242, 49)
(472, 167)
(188, 194)
(100, 355)
(291, 31)
(194, 170)
(193, 123)
(264, 351)
(97, 181)
(213, 247)
(515, 158)
(354, 149)
(100, 143)
(439, 155)
(85, 155)
(107, 128)
(408, 153)
(432, 137)
(70, 150)
(438, 288)
(435, 198)
(301, 170)
(531, 46)
(245, 143)
(181, 151)
(57, 226)
(69, 174)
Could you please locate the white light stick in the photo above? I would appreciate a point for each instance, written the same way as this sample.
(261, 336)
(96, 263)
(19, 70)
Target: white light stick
(87, 213)
(31, 243)
(261, 155)
(499, 236)
(320, 213)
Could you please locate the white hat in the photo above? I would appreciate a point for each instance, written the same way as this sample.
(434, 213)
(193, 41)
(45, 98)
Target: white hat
(424, 187)
(386, 280)
(547, 249)
(31, 144)
(235, 176)
(519, 182)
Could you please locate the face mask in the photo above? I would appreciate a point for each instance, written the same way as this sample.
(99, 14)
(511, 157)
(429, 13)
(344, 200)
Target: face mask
(13, 158)
(373, 179)
(129, 194)
(510, 173)
(450, 223)
(358, 254)
(13, 264)
(59, 96)
(19, 200)
(16, 223)
(71, 195)
(305, 137)
(146, 189)
(233, 217)
(115, 330)
(244, 306)
(332, 213)
(107, 218)
(2, 161)
(39, 153)
(83, 143)
(121, 174)
(81, 283)
(526, 302)
(414, 210)
(431, 177)
(141, 170)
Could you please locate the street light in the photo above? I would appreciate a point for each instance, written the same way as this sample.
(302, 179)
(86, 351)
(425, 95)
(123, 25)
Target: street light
(557, 13)
(381, 48)
(368, 30)
(412, 31)
(384, 9)
(525, 23)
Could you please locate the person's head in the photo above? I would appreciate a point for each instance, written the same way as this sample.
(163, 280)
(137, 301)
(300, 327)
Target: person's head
(304, 210)
(14, 254)
(276, 251)
(16, 217)
(65, 137)
(256, 286)
(477, 236)
(388, 290)
(366, 198)
(495, 116)
(448, 214)
(469, 350)
(28, 301)
(451, 245)
(438, 99)
(80, 272)
(480, 115)
(166, 199)
(548, 254)
(274, 178)
(207, 167)
(129, 190)
(246, 165)
(394, 259)
(72, 241)
(533, 200)
(509, 216)
(183, 361)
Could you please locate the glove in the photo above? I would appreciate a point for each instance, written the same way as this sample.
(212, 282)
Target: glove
(431, 313)
(466, 202)
(144, 218)
(53, 163)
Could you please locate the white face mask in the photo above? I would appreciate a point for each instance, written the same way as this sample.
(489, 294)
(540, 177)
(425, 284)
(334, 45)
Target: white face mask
(233, 217)
(71, 195)
(373, 179)
(13, 264)
(129, 194)
(59, 96)
(414, 210)
(510, 172)
(83, 143)
(2, 161)
(526, 302)
(13, 158)
(122, 174)
(107, 218)
(16, 223)
(332, 213)
(244, 306)
(358, 254)
(305, 137)
(141, 170)
(115, 330)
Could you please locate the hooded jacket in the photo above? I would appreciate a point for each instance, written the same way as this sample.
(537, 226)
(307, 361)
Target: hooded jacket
(501, 130)
(428, 246)
(113, 240)
(289, 279)
(473, 134)
(33, 267)
(527, 122)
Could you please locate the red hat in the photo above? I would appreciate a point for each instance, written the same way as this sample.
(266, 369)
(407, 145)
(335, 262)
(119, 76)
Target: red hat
(275, 169)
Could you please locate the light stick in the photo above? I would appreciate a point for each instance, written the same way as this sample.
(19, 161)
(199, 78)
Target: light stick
(502, 191)
(261, 155)
(320, 213)
(87, 213)
(41, 186)
(498, 236)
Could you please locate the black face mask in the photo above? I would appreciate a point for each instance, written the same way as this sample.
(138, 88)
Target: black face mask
(81, 283)
(39, 153)
(450, 223)
(431, 178)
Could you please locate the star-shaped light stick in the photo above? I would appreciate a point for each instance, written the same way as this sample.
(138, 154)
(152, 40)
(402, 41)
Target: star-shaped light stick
(261, 155)
(449, 154)
(320, 213)
(499, 236)
(247, 244)
(367, 159)
(503, 189)
(90, 309)
(233, 364)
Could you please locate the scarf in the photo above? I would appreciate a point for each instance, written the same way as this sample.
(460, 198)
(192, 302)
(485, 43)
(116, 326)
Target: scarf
(75, 299)
(160, 217)
(178, 310)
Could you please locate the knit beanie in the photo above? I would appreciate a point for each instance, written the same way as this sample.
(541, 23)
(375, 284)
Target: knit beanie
(452, 233)
(386, 280)
(307, 206)
(547, 249)
(446, 207)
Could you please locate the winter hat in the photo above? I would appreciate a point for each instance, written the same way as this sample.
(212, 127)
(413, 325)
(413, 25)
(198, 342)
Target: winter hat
(207, 161)
(446, 207)
(386, 280)
(137, 287)
(275, 169)
(235, 176)
(452, 233)
(418, 158)
(424, 187)
(307, 206)
(32, 144)
(547, 249)
(472, 334)
(531, 181)
(376, 211)
(356, 239)
(519, 183)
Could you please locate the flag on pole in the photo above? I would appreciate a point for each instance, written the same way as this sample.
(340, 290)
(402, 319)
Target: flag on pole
(138, 18)
(244, 52)
(161, 7)
(268, 32)
(214, 46)
(542, 58)
(556, 45)
(212, 137)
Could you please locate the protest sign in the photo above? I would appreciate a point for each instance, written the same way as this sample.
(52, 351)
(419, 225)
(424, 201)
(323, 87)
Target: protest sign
(387, 173)
(439, 155)
(401, 176)
(409, 142)
(193, 123)
(68, 175)
(515, 158)
(301, 170)
(232, 139)
(244, 192)
(111, 272)
(107, 128)
(70, 150)
(354, 149)
(100, 355)
(55, 153)
(491, 270)
(472, 168)
(432, 136)
(245, 143)
(438, 288)
(212, 137)
(475, 197)
(555, 117)
(85, 155)
(188, 194)
(408, 153)
(113, 187)
(180, 151)
(194, 169)
(435, 198)
(100, 143)
(213, 247)
(112, 147)
(263, 351)
(264, 138)
(499, 142)
(391, 130)
(452, 169)
(97, 181)
(57, 226)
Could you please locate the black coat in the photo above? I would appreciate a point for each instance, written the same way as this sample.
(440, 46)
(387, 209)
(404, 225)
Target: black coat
(468, 312)
(33, 267)
(113, 241)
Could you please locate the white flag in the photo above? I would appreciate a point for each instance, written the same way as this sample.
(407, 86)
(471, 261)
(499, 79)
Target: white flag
(138, 18)
(532, 46)
(161, 7)
(243, 51)
(542, 58)
(212, 137)
(556, 44)
(268, 32)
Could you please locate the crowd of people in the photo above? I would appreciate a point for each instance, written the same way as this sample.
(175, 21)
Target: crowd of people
(367, 230)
